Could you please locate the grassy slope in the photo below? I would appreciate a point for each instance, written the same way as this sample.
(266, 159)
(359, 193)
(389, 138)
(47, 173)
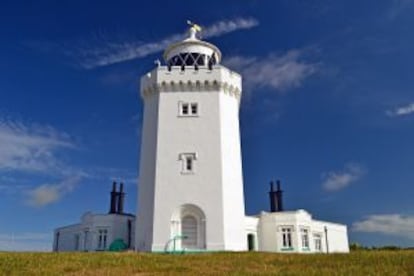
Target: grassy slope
(356, 263)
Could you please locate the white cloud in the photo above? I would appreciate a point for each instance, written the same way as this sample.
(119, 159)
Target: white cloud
(26, 241)
(113, 52)
(49, 193)
(30, 148)
(337, 180)
(401, 111)
(227, 26)
(279, 72)
(391, 224)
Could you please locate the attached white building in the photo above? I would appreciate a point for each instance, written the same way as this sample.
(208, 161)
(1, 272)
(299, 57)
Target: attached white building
(96, 232)
(294, 231)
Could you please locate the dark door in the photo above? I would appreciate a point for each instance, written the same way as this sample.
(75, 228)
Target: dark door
(250, 242)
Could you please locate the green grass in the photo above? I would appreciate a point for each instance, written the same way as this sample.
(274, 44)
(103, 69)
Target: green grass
(357, 263)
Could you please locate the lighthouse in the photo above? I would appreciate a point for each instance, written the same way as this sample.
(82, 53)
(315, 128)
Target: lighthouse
(190, 187)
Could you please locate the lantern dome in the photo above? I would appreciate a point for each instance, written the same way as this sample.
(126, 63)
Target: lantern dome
(192, 51)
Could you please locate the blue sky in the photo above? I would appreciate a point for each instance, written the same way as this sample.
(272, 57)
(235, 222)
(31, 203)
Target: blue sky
(328, 107)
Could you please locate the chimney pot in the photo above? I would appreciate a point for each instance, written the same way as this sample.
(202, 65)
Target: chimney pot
(112, 206)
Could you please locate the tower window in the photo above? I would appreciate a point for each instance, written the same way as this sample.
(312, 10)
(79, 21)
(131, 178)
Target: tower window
(184, 109)
(194, 109)
(189, 164)
(188, 109)
(188, 160)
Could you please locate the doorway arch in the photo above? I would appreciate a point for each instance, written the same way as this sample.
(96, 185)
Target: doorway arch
(188, 228)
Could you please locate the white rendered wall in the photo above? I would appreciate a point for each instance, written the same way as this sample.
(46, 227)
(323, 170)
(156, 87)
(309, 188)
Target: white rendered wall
(216, 186)
(270, 235)
(232, 179)
(146, 182)
(337, 236)
(251, 227)
(116, 225)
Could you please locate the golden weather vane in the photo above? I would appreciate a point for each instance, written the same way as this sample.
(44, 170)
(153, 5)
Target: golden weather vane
(194, 26)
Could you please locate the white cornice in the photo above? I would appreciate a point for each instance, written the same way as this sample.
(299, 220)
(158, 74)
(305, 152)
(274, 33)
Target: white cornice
(191, 86)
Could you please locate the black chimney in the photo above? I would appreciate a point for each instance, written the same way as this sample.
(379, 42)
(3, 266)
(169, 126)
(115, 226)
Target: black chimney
(279, 197)
(121, 197)
(272, 197)
(112, 206)
(276, 204)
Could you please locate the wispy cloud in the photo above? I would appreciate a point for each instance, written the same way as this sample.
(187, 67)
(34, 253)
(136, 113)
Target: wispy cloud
(25, 241)
(337, 180)
(30, 148)
(401, 111)
(278, 72)
(116, 52)
(391, 224)
(49, 193)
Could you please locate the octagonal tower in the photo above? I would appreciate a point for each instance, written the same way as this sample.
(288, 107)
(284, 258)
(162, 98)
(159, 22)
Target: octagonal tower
(190, 187)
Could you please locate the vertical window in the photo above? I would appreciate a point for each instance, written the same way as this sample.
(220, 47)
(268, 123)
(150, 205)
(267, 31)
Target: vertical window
(317, 238)
(184, 109)
(102, 238)
(304, 234)
(85, 240)
(287, 237)
(189, 163)
(77, 242)
(194, 109)
(187, 160)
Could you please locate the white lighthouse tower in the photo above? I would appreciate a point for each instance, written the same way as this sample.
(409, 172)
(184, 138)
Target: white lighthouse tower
(190, 193)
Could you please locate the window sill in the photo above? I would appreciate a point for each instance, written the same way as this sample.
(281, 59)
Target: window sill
(287, 249)
(188, 116)
(187, 173)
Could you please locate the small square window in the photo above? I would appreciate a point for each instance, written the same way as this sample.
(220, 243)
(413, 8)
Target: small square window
(187, 109)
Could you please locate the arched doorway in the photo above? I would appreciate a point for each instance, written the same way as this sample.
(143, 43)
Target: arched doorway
(188, 228)
(189, 231)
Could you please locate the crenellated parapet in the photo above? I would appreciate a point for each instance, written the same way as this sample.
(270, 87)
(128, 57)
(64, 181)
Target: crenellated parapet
(164, 79)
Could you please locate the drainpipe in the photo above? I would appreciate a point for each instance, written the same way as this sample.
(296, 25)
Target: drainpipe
(57, 242)
(326, 240)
